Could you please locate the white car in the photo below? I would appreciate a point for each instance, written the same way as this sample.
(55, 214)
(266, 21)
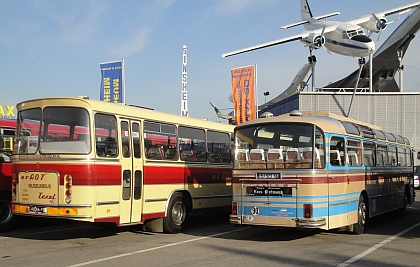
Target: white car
(417, 177)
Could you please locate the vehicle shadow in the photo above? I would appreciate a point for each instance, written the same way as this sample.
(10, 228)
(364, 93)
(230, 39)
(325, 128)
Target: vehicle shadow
(61, 229)
(212, 225)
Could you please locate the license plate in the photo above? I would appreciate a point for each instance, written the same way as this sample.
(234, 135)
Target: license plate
(268, 176)
(37, 209)
(269, 191)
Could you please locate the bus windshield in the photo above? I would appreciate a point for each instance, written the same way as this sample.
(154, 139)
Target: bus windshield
(53, 130)
(279, 145)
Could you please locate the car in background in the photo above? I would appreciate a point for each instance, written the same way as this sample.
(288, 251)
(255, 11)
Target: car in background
(417, 177)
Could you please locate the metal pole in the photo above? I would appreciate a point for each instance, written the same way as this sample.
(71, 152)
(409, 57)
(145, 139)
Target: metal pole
(361, 64)
(370, 73)
(400, 69)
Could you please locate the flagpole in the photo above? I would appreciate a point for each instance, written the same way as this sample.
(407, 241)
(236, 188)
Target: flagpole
(256, 91)
(123, 76)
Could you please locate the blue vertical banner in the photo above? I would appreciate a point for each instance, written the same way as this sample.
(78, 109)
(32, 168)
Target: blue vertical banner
(112, 82)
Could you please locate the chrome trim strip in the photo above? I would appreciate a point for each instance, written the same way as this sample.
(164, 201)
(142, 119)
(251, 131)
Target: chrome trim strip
(156, 199)
(82, 206)
(215, 196)
(107, 203)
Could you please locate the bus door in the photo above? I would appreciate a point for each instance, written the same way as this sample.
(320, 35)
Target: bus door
(132, 172)
(338, 182)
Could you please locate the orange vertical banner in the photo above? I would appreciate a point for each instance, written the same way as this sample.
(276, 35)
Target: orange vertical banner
(243, 94)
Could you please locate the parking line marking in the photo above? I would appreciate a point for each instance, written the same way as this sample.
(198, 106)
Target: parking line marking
(375, 247)
(155, 248)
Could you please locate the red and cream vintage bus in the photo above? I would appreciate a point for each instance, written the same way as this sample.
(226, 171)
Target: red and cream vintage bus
(318, 170)
(7, 133)
(113, 163)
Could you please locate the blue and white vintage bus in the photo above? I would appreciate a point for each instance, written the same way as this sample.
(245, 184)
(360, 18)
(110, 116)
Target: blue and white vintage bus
(318, 170)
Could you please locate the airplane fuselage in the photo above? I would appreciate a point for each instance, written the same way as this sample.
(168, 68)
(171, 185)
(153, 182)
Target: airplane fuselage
(347, 39)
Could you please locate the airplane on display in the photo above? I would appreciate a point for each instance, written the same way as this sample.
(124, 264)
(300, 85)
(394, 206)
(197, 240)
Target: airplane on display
(387, 60)
(220, 115)
(344, 38)
(297, 85)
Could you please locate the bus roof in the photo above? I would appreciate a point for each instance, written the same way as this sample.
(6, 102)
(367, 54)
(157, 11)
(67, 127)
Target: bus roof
(329, 122)
(122, 110)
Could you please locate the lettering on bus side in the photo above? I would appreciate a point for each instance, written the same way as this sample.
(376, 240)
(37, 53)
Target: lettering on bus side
(37, 176)
(44, 196)
(221, 177)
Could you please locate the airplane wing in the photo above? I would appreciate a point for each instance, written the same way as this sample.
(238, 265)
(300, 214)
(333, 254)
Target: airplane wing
(300, 36)
(400, 10)
(385, 60)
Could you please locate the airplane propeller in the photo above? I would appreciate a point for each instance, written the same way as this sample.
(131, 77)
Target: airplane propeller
(381, 24)
(319, 41)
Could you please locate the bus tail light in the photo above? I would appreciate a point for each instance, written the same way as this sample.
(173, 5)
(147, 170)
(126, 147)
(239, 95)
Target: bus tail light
(235, 208)
(67, 187)
(14, 184)
(307, 210)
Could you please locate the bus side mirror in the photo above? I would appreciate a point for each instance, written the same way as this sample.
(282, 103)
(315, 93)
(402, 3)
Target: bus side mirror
(418, 155)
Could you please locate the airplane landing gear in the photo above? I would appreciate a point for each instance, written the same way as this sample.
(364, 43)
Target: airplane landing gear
(362, 61)
(312, 61)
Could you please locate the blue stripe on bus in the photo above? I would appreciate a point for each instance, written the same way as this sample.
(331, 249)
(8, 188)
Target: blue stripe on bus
(291, 211)
(337, 204)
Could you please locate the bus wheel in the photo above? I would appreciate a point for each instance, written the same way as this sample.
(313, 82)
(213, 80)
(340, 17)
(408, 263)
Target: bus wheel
(7, 220)
(175, 215)
(359, 227)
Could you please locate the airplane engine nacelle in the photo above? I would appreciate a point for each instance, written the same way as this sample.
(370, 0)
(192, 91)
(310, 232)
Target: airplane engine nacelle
(316, 41)
(375, 25)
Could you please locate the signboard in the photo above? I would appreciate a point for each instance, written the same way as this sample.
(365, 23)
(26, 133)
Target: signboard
(243, 94)
(7, 112)
(112, 83)
(184, 92)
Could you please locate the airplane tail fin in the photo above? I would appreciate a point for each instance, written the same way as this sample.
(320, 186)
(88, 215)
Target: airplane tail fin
(305, 10)
(307, 17)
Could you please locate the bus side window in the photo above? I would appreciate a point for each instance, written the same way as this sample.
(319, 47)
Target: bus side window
(337, 151)
(160, 141)
(106, 135)
(354, 152)
(192, 144)
(369, 154)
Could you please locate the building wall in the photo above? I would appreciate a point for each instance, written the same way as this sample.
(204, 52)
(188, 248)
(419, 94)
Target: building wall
(394, 112)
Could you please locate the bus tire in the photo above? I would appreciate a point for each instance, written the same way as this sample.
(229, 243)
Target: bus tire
(360, 226)
(175, 215)
(7, 219)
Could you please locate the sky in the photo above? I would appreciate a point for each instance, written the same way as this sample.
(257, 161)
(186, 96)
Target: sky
(54, 48)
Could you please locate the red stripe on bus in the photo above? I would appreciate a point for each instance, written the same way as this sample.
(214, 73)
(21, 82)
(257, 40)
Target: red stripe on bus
(82, 174)
(115, 220)
(98, 174)
(6, 176)
(181, 174)
(149, 216)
